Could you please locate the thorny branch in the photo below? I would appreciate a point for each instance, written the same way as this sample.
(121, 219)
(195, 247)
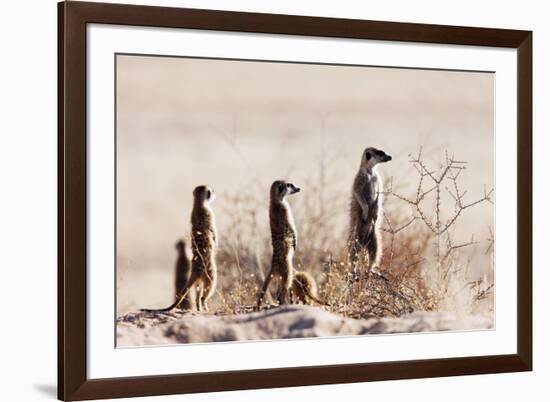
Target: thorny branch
(432, 185)
(451, 171)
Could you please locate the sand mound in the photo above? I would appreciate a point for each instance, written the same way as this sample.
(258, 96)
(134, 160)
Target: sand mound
(136, 329)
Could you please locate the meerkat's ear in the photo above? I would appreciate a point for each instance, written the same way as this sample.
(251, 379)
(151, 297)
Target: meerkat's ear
(282, 187)
(368, 155)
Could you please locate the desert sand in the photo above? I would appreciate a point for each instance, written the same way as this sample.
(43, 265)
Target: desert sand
(178, 327)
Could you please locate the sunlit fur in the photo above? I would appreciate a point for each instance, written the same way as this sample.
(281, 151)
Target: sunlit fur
(304, 288)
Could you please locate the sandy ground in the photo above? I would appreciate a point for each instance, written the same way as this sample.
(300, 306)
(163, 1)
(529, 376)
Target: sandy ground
(138, 329)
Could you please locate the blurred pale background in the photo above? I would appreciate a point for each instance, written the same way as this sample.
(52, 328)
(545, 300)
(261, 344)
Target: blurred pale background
(240, 125)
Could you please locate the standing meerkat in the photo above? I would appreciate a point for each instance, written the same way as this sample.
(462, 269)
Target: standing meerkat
(283, 239)
(183, 273)
(366, 202)
(204, 273)
(304, 288)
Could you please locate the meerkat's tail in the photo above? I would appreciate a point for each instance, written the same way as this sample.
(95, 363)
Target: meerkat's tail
(313, 297)
(158, 310)
(178, 301)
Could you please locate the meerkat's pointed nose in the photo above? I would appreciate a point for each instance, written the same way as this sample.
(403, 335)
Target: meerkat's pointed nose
(387, 158)
(292, 188)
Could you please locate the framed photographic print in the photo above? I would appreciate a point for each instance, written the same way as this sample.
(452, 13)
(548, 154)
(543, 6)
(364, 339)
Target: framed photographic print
(253, 200)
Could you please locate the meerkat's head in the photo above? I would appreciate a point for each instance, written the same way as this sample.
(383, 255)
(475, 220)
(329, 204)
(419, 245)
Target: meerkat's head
(204, 195)
(372, 156)
(280, 189)
(180, 246)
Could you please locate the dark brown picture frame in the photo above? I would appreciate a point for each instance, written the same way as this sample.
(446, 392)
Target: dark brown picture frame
(73, 17)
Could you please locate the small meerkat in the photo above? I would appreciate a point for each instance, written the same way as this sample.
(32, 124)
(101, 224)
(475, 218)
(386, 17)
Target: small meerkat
(283, 239)
(183, 273)
(204, 273)
(366, 202)
(304, 288)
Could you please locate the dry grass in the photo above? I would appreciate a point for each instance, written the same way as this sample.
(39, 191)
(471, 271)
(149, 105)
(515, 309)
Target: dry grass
(424, 267)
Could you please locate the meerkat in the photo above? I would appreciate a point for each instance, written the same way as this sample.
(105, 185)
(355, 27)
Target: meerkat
(283, 239)
(183, 273)
(304, 288)
(204, 273)
(366, 203)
